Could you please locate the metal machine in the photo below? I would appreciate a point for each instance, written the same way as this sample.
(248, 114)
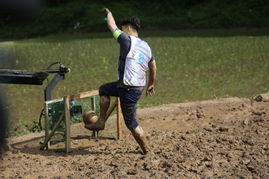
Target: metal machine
(59, 113)
(8, 76)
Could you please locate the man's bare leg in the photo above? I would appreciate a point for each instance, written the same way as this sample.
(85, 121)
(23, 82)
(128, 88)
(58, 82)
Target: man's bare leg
(140, 138)
(100, 124)
(104, 105)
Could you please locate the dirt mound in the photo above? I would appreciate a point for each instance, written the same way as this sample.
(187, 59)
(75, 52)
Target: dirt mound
(209, 139)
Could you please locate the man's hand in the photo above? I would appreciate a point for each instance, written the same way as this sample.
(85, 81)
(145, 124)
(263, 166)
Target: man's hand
(150, 90)
(106, 11)
(111, 24)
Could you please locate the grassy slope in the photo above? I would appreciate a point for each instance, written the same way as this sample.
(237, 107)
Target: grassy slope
(192, 65)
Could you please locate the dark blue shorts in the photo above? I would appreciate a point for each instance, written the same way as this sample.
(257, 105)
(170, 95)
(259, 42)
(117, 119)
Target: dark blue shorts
(128, 100)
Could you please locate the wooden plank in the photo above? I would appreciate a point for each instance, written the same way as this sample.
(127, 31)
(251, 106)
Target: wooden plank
(119, 124)
(84, 94)
(93, 103)
(48, 137)
(94, 132)
(67, 124)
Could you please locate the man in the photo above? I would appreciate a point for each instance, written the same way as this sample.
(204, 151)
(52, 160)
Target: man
(135, 59)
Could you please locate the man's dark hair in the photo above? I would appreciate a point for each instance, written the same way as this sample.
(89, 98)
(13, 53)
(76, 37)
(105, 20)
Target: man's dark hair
(132, 21)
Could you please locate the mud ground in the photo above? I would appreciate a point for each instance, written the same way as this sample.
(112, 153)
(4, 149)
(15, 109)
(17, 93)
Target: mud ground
(224, 138)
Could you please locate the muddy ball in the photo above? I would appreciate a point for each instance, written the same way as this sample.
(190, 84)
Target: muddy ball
(89, 117)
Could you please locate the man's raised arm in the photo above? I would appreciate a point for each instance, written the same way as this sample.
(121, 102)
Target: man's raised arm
(111, 24)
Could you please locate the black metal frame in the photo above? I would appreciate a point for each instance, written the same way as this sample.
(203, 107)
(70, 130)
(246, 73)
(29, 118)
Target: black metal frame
(20, 77)
(8, 76)
(51, 85)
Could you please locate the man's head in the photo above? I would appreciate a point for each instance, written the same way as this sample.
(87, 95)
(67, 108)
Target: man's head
(130, 25)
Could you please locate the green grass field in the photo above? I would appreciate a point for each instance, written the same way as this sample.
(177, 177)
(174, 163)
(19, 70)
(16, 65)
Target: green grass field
(192, 65)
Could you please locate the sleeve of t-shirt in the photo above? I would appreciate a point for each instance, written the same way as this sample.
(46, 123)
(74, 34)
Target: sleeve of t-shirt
(123, 39)
(152, 58)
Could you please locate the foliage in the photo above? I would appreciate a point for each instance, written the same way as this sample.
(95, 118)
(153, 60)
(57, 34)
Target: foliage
(85, 16)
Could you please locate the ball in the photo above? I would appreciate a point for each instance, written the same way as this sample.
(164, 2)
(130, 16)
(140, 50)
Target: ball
(89, 117)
